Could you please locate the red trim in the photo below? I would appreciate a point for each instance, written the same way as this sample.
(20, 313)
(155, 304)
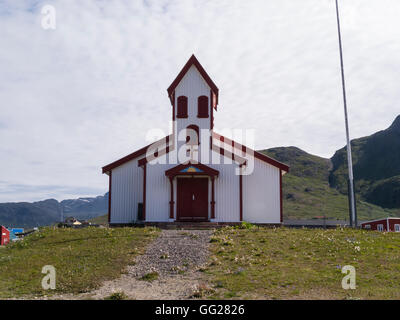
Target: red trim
(280, 194)
(193, 61)
(245, 149)
(144, 192)
(133, 155)
(207, 171)
(211, 111)
(171, 202)
(228, 154)
(212, 199)
(221, 150)
(173, 106)
(156, 154)
(241, 194)
(109, 196)
(379, 220)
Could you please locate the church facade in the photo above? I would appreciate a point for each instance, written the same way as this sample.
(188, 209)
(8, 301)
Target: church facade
(195, 174)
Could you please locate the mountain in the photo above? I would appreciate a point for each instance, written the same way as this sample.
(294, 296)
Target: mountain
(376, 166)
(307, 192)
(34, 214)
(315, 186)
(25, 214)
(85, 207)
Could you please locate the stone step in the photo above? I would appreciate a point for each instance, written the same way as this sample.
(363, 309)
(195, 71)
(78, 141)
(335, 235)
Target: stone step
(188, 225)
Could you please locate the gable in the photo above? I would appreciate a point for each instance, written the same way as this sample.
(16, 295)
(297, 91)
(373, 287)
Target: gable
(191, 169)
(193, 62)
(192, 83)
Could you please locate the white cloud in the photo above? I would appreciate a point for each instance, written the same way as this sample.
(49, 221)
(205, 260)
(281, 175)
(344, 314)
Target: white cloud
(83, 95)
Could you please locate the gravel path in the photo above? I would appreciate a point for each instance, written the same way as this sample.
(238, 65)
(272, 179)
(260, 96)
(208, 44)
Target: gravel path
(176, 257)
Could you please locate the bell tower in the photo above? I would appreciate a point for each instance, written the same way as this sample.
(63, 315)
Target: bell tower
(194, 99)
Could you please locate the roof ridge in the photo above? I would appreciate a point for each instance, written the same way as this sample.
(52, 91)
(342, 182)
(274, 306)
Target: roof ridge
(257, 154)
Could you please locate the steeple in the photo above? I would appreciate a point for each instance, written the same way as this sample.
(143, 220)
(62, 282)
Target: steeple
(194, 97)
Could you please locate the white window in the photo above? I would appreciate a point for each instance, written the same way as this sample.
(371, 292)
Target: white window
(367, 226)
(380, 227)
(397, 227)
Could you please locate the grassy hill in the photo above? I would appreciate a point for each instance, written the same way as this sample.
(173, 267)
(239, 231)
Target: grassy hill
(376, 164)
(83, 258)
(245, 262)
(282, 263)
(307, 192)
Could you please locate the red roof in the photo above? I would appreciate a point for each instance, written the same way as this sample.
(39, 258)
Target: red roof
(132, 156)
(221, 149)
(193, 61)
(257, 155)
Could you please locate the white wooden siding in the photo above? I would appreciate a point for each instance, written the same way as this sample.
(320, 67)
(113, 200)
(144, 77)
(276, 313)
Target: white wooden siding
(192, 86)
(227, 194)
(158, 193)
(126, 192)
(261, 194)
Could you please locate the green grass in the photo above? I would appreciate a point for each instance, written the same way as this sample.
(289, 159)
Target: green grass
(282, 263)
(151, 276)
(305, 198)
(83, 258)
(100, 219)
(117, 296)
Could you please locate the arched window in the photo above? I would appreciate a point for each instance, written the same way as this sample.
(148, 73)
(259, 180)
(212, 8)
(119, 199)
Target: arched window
(202, 107)
(182, 107)
(192, 135)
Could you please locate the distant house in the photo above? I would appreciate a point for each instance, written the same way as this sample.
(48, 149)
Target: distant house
(73, 221)
(195, 174)
(4, 236)
(16, 230)
(386, 224)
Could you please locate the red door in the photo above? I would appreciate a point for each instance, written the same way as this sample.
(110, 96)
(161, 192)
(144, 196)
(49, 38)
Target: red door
(192, 199)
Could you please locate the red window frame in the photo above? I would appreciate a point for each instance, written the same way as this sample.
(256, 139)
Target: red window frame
(182, 110)
(202, 107)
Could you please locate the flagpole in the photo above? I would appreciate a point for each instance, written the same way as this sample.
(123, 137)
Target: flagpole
(352, 203)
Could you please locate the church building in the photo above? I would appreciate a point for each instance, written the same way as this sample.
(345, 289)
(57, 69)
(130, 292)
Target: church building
(195, 174)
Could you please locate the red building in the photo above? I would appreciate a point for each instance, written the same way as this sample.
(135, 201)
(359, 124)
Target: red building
(386, 224)
(4, 236)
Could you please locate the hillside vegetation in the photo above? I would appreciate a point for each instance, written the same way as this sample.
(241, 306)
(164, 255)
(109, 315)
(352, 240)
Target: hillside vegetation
(307, 193)
(100, 220)
(83, 259)
(376, 164)
(281, 263)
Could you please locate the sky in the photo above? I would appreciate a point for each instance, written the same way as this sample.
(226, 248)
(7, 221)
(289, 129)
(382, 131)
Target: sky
(77, 97)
